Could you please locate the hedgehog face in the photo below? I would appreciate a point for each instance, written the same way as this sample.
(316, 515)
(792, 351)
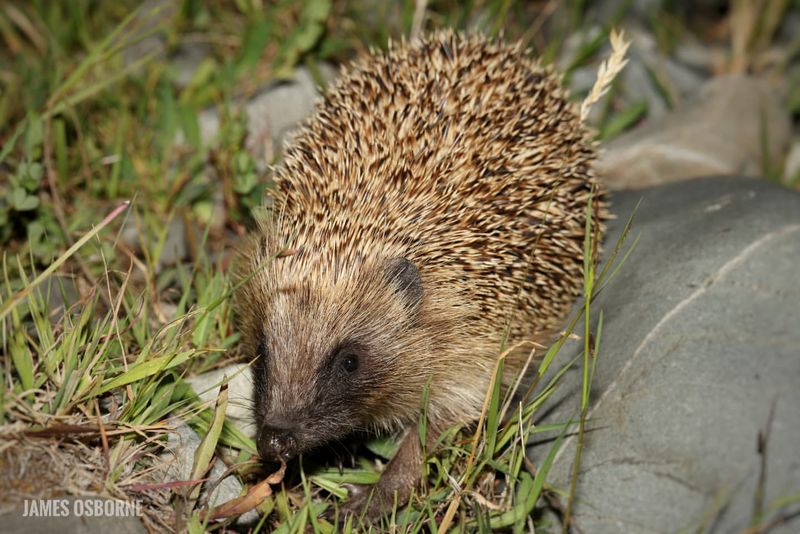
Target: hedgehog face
(326, 352)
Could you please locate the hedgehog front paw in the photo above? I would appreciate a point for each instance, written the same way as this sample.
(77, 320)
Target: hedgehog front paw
(370, 502)
(393, 489)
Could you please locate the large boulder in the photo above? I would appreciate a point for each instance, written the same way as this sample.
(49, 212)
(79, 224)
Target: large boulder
(700, 343)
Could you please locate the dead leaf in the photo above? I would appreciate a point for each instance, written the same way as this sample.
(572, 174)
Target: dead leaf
(254, 497)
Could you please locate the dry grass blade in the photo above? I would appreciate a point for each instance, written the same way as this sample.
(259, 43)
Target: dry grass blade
(476, 438)
(62, 430)
(742, 21)
(24, 23)
(419, 18)
(753, 24)
(607, 72)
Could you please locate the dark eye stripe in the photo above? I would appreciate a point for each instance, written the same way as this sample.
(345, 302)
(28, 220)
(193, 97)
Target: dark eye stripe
(261, 355)
(261, 349)
(260, 371)
(336, 387)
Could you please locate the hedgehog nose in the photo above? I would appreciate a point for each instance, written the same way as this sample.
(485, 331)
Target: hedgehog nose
(276, 444)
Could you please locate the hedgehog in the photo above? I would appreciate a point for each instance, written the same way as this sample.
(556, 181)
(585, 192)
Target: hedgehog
(431, 208)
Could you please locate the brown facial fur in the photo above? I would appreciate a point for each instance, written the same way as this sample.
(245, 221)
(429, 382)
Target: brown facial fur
(459, 154)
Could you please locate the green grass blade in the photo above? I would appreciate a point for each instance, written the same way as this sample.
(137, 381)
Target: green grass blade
(524, 506)
(205, 451)
(148, 368)
(17, 297)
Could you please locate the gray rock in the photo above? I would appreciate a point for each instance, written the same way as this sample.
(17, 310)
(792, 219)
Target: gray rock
(277, 111)
(179, 458)
(736, 123)
(240, 393)
(653, 77)
(570, 49)
(273, 113)
(790, 27)
(183, 441)
(700, 340)
(60, 292)
(699, 56)
(175, 248)
(187, 59)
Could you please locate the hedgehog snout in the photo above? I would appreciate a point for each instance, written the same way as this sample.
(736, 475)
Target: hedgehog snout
(278, 444)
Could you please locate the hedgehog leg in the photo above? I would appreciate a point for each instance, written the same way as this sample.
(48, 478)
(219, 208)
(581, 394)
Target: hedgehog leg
(397, 481)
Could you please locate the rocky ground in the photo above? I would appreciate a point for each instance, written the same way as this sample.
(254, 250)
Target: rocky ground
(695, 399)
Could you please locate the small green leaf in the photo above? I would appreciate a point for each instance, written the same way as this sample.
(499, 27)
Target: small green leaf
(22, 201)
(347, 476)
(33, 135)
(317, 9)
(11, 141)
(148, 368)
(383, 446)
(255, 39)
(189, 124)
(329, 486)
(622, 120)
(23, 361)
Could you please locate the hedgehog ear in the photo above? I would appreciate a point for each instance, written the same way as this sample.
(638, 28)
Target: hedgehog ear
(406, 279)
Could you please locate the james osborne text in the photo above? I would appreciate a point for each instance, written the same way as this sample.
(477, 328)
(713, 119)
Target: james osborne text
(81, 508)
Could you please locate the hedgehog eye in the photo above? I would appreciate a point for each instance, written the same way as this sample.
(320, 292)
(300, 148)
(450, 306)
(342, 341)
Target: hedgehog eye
(349, 362)
(345, 358)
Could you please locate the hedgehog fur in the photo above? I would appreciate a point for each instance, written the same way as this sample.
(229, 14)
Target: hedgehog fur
(433, 204)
